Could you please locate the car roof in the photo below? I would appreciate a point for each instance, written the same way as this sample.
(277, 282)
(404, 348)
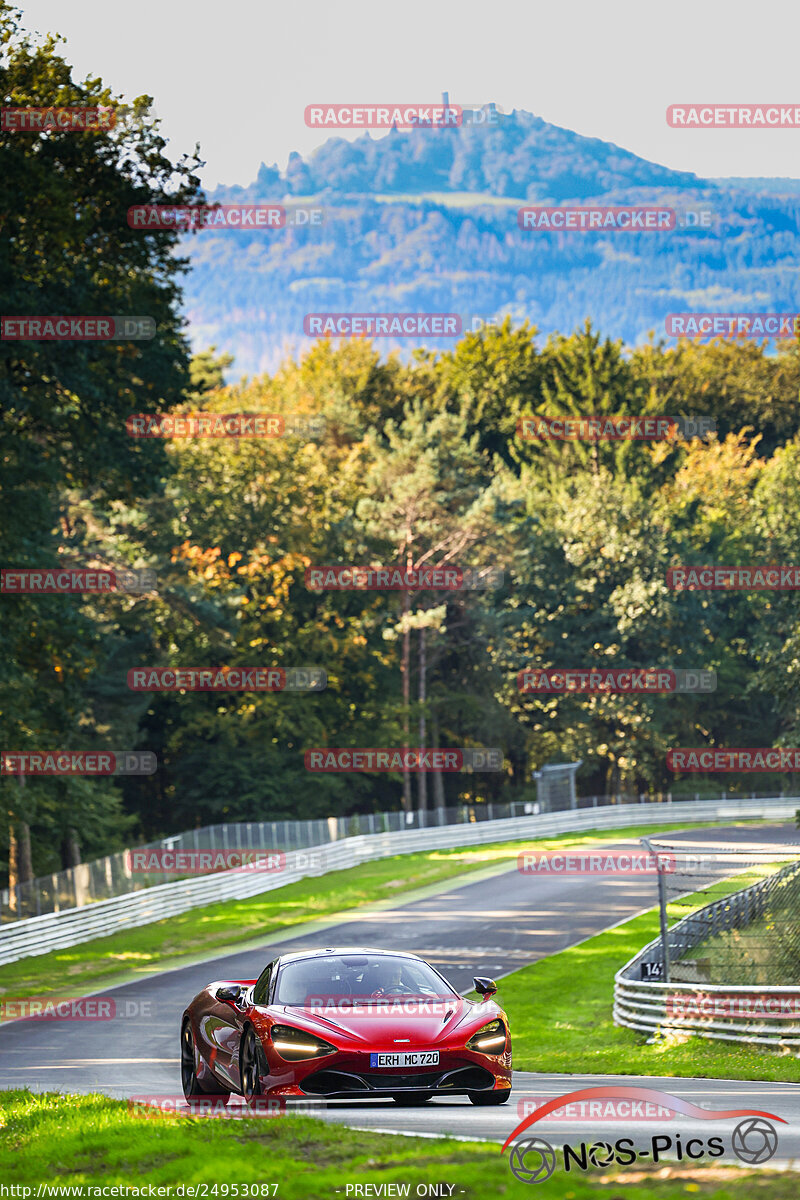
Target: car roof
(319, 952)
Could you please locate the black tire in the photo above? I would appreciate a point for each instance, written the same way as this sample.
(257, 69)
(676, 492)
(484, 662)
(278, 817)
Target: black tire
(411, 1099)
(189, 1081)
(249, 1066)
(482, 1099)
(192, 1088)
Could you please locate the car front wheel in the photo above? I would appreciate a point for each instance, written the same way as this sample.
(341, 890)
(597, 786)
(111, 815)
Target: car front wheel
(192, 1088)
(251, 1080)
(189, 1080)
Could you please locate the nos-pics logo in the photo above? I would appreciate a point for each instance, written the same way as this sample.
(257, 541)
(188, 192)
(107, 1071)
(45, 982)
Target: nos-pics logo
(532, 1160)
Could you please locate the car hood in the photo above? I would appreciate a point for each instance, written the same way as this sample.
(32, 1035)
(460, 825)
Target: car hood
(423, 1023)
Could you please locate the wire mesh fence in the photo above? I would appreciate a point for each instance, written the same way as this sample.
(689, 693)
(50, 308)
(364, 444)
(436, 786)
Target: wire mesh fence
(113, 875)
(737, 911)
(118, 874)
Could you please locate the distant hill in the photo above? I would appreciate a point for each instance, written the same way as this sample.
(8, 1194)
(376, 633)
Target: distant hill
(425, 221)
(760, 183)
(520, 156)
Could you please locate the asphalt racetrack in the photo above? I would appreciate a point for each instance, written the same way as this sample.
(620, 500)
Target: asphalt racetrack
(491, 926)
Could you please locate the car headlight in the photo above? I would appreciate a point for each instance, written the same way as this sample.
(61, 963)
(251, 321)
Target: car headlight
(293, 1044)
(491, 1039)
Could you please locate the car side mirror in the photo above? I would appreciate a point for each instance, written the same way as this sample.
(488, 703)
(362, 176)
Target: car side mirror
(484, 987)
(231, 994)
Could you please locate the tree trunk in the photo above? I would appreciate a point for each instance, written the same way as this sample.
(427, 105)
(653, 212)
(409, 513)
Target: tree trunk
(406, 670)
(423, 777)
(71, 850)
(13, 872)
(25, 863)
(438, 785)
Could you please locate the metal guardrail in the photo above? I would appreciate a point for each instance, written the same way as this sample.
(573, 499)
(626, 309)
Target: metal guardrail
(644, 1005)
(112, 876)
(52, 931)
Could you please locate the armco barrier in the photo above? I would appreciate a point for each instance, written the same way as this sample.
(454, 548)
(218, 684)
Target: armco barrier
(52, 931)
(112, 875)
(641, 1004)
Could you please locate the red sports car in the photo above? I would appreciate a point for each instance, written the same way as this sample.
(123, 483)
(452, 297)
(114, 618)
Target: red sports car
(346, 1024)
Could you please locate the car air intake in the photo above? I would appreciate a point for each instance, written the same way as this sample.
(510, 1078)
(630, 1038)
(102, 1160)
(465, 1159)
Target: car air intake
(472, 1079)
(322, 1083)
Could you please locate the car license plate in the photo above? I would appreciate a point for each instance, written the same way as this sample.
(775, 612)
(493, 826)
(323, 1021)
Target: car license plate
(406, 1058)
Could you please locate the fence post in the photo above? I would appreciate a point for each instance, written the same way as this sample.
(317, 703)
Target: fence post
(662, 909)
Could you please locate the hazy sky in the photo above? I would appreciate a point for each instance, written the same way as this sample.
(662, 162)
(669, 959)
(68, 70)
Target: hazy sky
(236, 75)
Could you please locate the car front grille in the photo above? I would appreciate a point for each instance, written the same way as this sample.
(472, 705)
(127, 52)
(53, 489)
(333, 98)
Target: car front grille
(330, 1082)
(420, 1080)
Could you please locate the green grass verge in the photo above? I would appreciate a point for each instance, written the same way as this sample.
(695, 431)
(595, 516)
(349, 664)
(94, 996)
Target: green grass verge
(200, 931)
(85, 1142)
(560, 1011)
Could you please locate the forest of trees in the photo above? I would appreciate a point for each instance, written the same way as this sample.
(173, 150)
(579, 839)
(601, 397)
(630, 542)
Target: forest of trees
(417, 461)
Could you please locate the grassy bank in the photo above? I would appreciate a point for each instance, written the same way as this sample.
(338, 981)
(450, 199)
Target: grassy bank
(560, 1010)
(198, 933)
(83, 1142)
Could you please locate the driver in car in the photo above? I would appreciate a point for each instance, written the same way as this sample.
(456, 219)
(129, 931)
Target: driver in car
(388, 978)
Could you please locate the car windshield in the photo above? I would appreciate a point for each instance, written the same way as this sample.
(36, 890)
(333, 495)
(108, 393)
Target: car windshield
(358, 978)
